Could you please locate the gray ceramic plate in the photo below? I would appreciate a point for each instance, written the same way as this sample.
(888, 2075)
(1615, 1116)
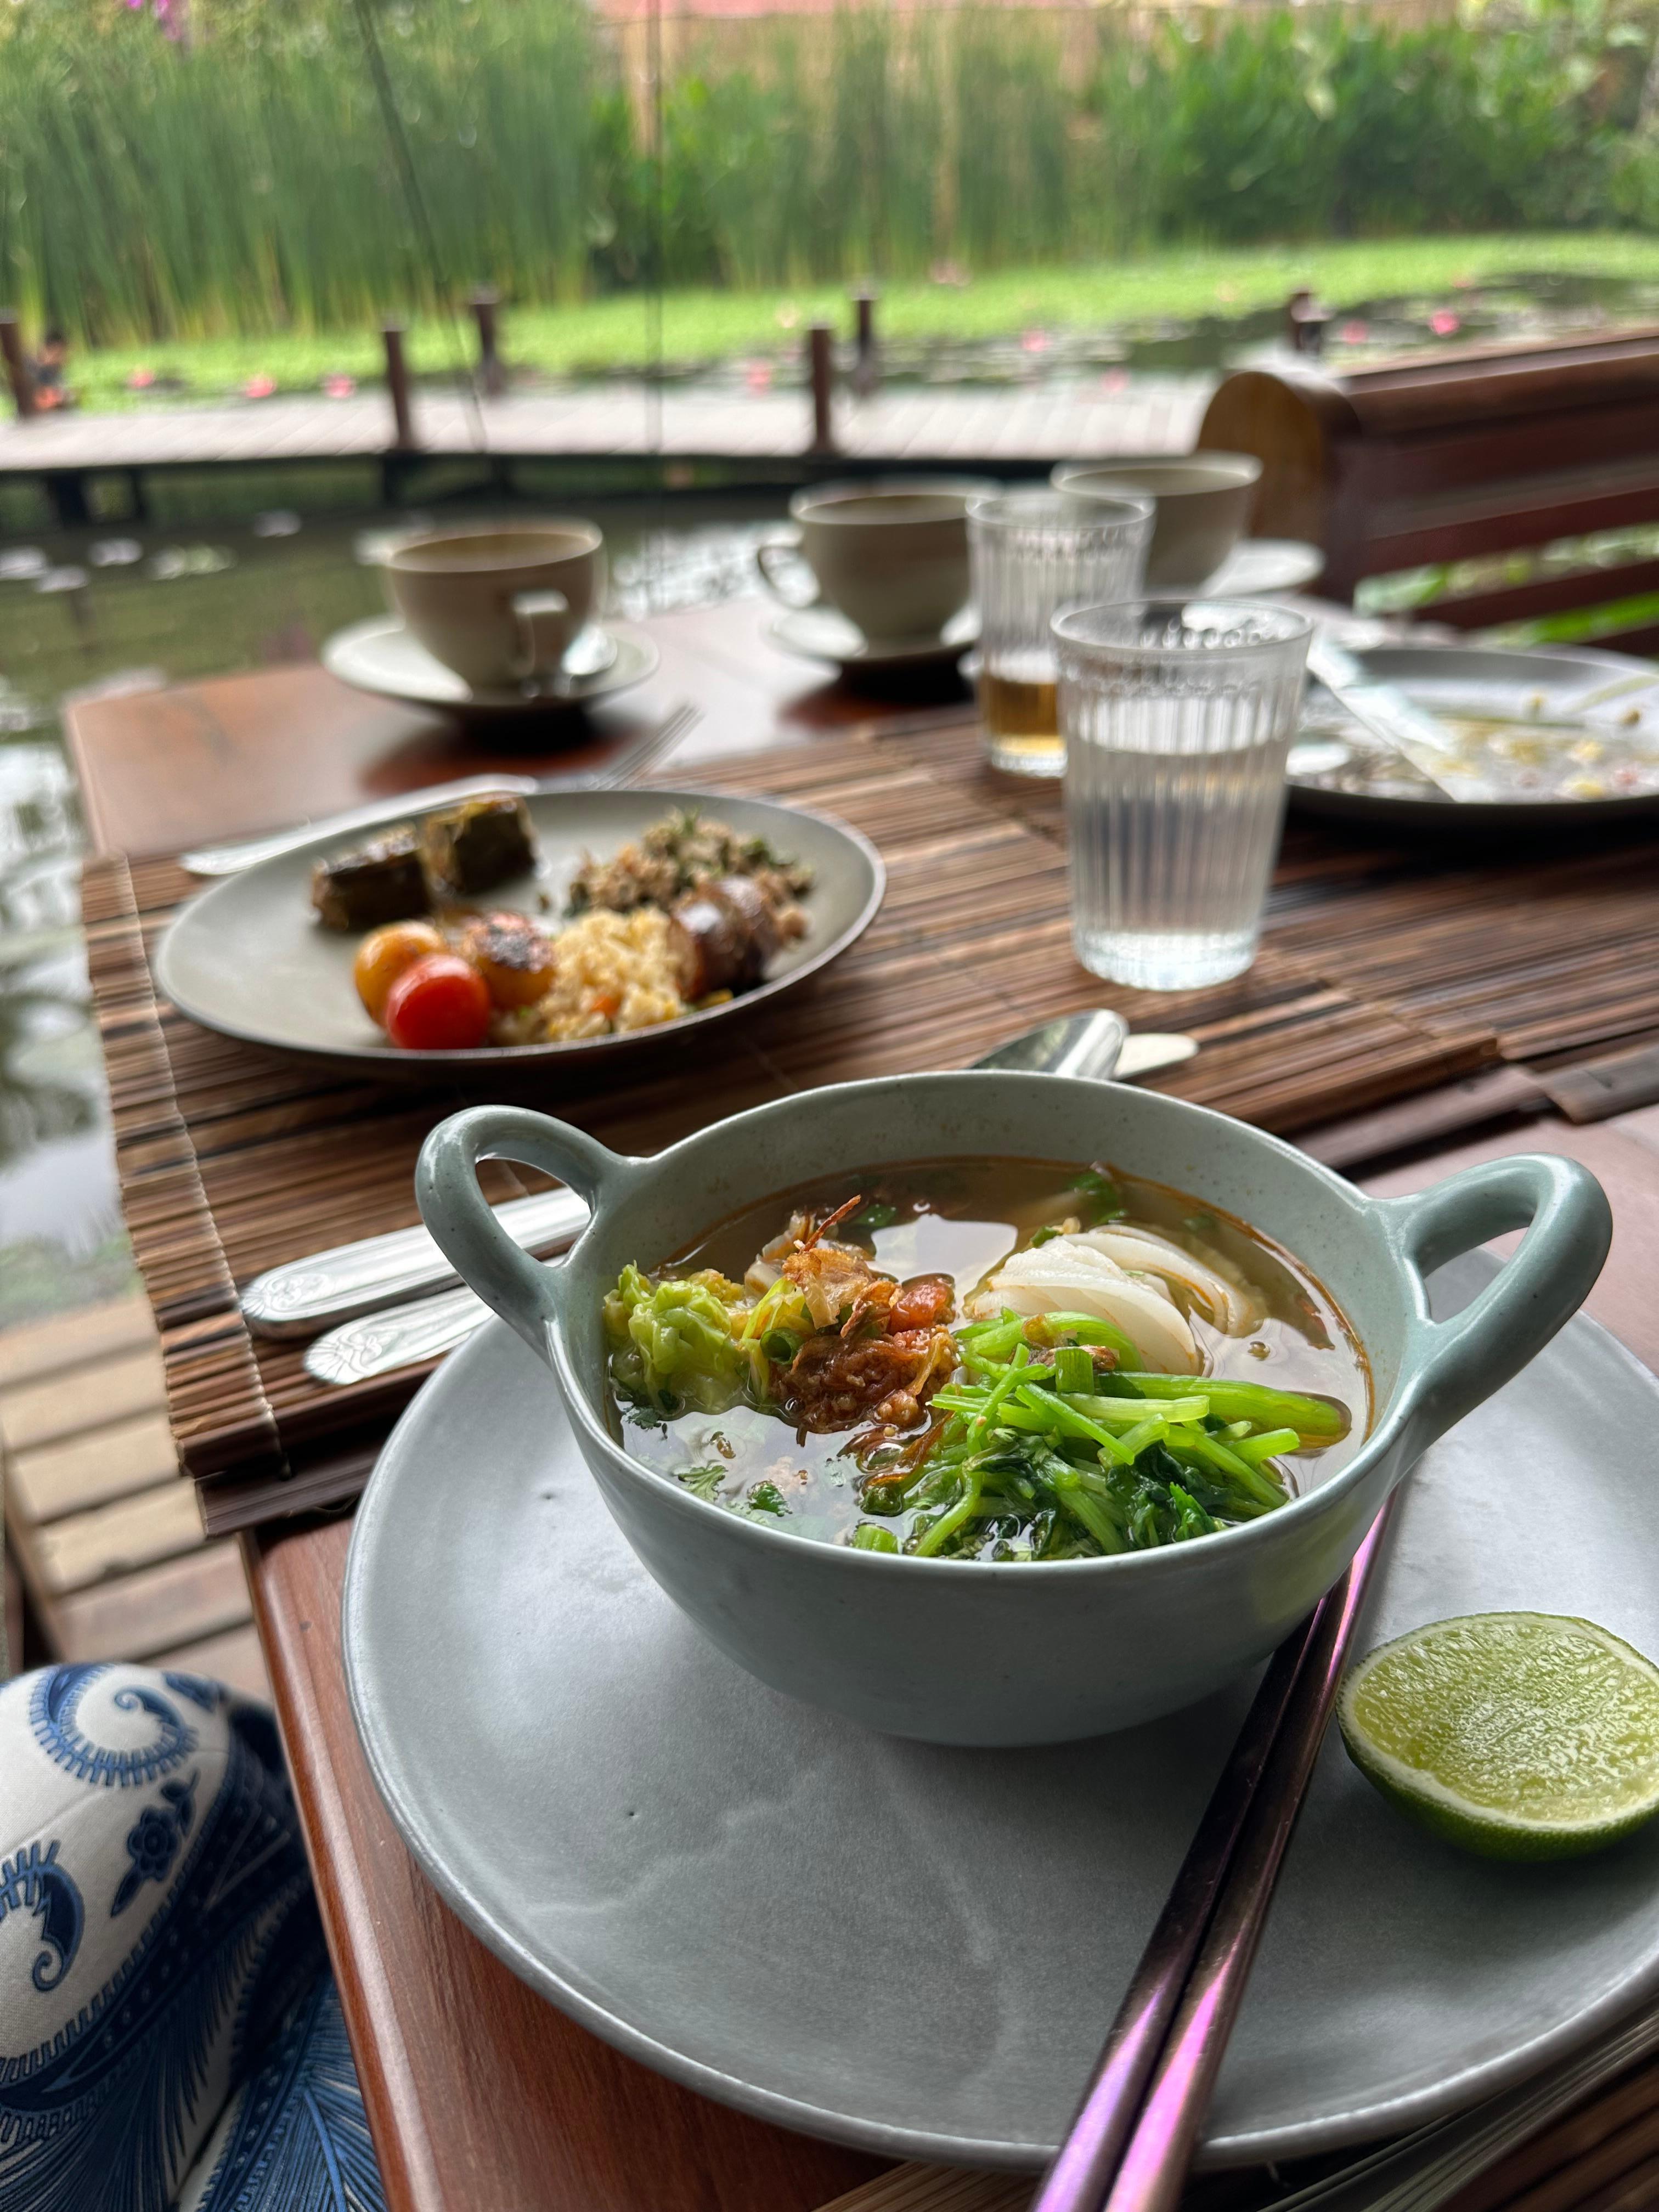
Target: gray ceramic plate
(380, 656)
(918, 1950)
(1334, 770)
(247, 959)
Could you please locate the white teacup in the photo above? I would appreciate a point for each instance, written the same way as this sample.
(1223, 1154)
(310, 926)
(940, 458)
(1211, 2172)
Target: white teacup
(1202, 502)
(892, 555)
(499, 605)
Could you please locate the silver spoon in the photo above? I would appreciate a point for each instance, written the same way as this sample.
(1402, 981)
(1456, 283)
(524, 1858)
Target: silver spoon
(1090, 1045)
(360, 1285)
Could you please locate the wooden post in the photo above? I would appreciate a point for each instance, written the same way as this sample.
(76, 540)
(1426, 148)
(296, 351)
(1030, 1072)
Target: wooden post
(17, 367)
(397, 383)
(866, 370)
(821, 363)
(491, 374)
(1304, 323)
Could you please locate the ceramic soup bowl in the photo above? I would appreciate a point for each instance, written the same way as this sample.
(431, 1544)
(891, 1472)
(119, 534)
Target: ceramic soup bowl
(968, 1652)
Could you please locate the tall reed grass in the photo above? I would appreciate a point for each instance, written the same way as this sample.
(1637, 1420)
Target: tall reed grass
(244, 182)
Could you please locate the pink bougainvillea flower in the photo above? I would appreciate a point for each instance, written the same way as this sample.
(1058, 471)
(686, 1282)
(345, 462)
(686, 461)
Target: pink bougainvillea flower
(758, 376)
(339, 387)
(1034, 341)
(258, 387)
(1354, 333)
(140, 379)
(1443, 322)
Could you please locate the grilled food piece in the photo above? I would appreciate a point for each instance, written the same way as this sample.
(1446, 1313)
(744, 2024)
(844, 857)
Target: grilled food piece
(379, 882)
(512, 955)
(723, 935)
(481, 843)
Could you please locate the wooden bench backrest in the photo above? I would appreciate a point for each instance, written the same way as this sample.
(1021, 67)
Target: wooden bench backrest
(1412, 465)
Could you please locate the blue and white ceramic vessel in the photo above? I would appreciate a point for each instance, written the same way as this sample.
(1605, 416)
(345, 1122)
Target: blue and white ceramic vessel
(157, 1929)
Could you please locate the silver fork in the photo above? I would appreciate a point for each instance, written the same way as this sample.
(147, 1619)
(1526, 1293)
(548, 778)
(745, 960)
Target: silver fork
(231, 859)
(639, 758)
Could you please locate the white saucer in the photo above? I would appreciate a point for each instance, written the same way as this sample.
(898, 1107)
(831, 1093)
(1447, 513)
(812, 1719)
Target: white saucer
(1255, 566)
(822, 634)
(381, 656)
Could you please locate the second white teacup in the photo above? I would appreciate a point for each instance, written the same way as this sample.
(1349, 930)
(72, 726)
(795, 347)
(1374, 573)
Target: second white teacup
(499, 605)
(891, 555)
(1202, 503)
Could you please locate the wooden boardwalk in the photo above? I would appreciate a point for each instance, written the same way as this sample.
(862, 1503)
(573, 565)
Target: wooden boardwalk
(93, 1510)
(1025, 424)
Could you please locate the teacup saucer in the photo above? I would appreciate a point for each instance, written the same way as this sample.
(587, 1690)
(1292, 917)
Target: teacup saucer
(1257, 565)
(822, 634)
(382, 657)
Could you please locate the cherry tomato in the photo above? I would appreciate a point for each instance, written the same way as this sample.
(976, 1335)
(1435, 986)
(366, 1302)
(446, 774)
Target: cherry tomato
(512, 955)
(383, 955)
(440, 1005)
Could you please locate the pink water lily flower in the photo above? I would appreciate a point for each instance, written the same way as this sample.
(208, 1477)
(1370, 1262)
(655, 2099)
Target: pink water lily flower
(1443, 322)
(339, 387)
(258, 387)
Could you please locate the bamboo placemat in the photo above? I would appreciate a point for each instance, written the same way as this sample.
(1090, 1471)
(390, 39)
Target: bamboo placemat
(1379, 978)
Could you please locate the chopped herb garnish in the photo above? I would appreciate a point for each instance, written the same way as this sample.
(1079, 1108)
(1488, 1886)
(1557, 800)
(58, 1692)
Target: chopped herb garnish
(1102, 1199)
(871, 1537)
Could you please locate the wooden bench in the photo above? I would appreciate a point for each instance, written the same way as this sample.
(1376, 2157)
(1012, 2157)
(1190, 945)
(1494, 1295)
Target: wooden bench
(105, 1531)
(1413, 465)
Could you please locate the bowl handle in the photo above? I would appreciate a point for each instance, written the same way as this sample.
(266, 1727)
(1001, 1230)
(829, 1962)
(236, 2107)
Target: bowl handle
(1569, 1226)
(522, 1290)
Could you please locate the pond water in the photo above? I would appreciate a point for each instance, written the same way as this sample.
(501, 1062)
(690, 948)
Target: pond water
(97, 611)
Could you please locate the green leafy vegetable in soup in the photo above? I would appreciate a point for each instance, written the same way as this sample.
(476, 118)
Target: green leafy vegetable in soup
(672, 1343)
(987, 1360)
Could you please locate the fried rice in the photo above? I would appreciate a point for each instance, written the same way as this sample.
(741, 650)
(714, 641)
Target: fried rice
(614, 972)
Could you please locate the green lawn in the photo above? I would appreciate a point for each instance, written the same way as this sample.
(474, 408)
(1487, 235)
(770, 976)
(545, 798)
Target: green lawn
(611, 334)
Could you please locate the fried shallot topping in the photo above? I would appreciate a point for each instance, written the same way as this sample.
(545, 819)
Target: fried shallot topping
(881, 1347)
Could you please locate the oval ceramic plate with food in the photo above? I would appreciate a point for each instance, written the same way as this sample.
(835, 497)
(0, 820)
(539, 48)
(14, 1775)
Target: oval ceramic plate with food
(918, 1949)
(1583, 725)
(255, 959)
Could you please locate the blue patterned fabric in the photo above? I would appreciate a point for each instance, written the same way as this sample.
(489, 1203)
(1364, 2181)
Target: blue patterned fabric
(159, 1946)
(294, 2138)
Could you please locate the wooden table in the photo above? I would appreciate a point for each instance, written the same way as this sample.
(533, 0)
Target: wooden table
(482, 2097)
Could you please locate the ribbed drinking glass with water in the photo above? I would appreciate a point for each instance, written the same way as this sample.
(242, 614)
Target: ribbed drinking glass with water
(1177, 717)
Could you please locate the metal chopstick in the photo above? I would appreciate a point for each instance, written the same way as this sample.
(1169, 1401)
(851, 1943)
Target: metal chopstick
(1129, 2146)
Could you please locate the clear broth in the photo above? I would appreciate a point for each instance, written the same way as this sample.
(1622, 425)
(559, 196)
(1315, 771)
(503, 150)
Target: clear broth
(963, 1218)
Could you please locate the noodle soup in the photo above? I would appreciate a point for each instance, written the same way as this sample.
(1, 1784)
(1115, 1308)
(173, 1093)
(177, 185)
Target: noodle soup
(1016, 1360)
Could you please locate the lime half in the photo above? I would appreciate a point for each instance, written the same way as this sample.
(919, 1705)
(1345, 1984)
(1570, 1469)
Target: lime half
(1521, 1736)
